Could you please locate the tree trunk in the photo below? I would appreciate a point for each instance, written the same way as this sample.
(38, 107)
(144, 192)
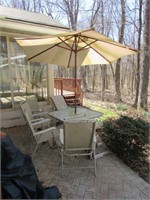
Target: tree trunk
(83, 77)
(72, 10)
(146, 61)
(94, 77)
(103, 75)
(138, 56)
(118, 64)
(117, 81)
(132, 85)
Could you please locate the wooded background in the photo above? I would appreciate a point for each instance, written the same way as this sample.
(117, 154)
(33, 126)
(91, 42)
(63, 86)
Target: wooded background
(125, 21)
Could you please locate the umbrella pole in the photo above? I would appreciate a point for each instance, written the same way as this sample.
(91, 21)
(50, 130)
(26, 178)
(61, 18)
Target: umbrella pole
(75, 90)
(75, 74)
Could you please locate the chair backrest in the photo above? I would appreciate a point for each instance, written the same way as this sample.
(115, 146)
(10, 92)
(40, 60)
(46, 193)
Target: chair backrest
(79, 135)
(59, 102)
(29, 121)
(33, 103)
(37, 137)
(25, 106)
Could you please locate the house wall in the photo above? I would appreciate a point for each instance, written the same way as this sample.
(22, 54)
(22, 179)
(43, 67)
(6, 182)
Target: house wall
(11, 114)
(11, 29)
(11, 118)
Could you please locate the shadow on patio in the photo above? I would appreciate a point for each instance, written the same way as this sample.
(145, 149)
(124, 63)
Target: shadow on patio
(114, 179)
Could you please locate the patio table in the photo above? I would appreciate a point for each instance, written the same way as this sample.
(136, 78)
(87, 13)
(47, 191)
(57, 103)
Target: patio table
(82, 113)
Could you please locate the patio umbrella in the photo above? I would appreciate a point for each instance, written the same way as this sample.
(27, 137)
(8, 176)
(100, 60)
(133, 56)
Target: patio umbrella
(73, 49)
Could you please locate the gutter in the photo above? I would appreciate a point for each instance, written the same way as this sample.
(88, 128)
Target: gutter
(37, 23)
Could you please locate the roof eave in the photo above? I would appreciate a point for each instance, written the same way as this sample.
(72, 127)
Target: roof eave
(36, 23)
(29, 28)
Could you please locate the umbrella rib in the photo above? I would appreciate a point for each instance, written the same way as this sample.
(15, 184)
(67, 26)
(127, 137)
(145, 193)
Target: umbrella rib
(63, 47)
(64, 41)
(49, 48)
(95, 49)
(115, 44)
(70, 54)
(87, 45)
(70, 48)
(43, 51)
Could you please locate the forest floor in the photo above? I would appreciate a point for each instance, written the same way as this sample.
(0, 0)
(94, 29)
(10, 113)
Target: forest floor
(109, 99)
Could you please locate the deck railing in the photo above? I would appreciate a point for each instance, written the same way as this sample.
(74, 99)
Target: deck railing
(66, 86)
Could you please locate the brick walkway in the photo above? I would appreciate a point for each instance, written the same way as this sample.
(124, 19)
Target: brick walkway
(114, 179)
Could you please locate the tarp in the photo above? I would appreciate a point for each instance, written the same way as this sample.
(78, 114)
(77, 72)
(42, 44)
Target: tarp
(18, 175)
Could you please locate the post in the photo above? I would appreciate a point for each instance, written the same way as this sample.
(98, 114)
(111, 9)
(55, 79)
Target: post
(50, 80)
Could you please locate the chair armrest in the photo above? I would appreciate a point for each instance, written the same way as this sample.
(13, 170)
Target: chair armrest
(61, 136)
(47, 108)
(94, 139)
(36, 120)
(44, 131)
(36, 111)
(94, 142)
(40, 114)
(41, 122)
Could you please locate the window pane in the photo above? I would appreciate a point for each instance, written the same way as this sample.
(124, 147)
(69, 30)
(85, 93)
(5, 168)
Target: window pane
(18, 65)
(27, 79)
(5, 89)
(36, 76)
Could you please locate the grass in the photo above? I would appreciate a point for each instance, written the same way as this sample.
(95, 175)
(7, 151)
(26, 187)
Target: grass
(147, 114)
(107, 113)
(121, 107)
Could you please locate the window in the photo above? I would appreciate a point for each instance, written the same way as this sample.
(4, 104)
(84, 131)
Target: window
(19, 79)
(5, 84)
(36, 80)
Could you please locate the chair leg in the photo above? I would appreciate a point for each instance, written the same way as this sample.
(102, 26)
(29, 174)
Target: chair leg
(62, 163)
(35, 150)
(54, 141)
(94, 159)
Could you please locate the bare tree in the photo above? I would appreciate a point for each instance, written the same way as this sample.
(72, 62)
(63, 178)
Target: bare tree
(118, 64)
(138, 56)
(94, 16)
(143, 98)
(72, 11)
(95, 10)
(83, 74)
(103, 81)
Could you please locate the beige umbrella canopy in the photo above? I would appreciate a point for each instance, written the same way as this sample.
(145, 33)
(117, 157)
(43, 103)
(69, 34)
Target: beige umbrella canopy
(74, 49)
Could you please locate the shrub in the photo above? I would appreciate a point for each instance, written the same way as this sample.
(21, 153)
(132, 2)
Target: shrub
(129, 139)
(121, 107)
(147, 114)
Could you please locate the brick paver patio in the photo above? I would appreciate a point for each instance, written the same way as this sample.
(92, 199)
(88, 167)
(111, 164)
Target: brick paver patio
(114, 180)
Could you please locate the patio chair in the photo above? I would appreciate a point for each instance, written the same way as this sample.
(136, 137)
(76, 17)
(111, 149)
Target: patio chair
(38, 117)
(78, 139)
(41, 130)
(25, 106)
(34, 106)
(59, 102)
